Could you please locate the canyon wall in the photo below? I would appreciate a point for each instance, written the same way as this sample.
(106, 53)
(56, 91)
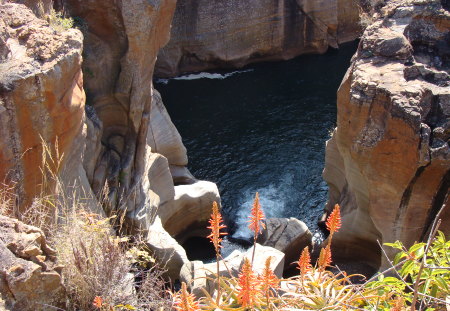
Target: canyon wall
(209, 34)
(99, 115)
(118, 84)
(41, 101)
(388, 161)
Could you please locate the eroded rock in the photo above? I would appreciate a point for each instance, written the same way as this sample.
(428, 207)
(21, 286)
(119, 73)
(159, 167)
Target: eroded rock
(188, 214)
(288, 235)
(163, 137)
(166, 250)
(42, 101)
(208, 34)
(29, 277)
(388, 161)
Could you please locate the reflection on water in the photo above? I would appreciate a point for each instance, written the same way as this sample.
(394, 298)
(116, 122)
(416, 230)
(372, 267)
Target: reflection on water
(261, 129)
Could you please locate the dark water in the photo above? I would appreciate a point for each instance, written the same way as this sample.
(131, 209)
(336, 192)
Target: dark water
(262, 128)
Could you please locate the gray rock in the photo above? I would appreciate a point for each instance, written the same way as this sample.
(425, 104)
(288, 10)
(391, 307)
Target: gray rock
(166, 250)
(288, 235)
(29, 277)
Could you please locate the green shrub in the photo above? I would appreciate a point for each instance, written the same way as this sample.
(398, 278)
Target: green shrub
(60, 23)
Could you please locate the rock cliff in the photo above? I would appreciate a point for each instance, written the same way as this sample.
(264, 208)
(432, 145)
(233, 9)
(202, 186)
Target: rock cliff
(208, 34)
(141, 158)
(41, 100)
(117, 142)
(388, 161)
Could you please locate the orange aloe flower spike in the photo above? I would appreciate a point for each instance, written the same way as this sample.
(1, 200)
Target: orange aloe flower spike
(304, 263)
(257, 216)
(183, 301)
(268, 279)
(325, 257)
(248, 285)
(215, 226)
(98, 302)
(334, 220)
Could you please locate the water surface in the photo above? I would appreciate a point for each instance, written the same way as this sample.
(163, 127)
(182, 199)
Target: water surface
(262, 128)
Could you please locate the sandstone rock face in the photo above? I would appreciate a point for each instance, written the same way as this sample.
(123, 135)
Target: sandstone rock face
(29, 278)
(163, 136)
(122, 146)
(121, 43)
(41, 99)
(388, 161)
(288, 235)
(208, 34)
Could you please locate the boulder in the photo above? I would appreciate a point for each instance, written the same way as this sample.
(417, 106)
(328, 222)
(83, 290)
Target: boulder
(197, 275)
(288, 235)
(388, 161)
(30, 280)
(188, 214)
(170, 255)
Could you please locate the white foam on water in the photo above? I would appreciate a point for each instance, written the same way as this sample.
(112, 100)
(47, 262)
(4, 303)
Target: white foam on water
(273, 202)
(228, 247)
(204, 75)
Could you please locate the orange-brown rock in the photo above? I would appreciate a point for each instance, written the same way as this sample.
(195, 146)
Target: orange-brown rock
(29, 277)
(208, 34)
(41, 100)
(388, 161)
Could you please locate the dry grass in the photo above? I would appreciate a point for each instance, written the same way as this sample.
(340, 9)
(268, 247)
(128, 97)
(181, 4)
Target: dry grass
(95, 261)
(7, 199)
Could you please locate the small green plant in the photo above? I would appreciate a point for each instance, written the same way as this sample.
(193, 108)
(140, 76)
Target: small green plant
(423, 276)
(60, 23)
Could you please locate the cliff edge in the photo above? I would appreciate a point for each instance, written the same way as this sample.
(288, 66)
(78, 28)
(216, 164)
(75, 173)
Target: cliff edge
(388, 161)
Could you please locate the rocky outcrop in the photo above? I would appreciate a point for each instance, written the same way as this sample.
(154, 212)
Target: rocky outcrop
(40, 8)
(188, 214)
(388, 161)
(288, 235)
(208, 34)
(137, 154)
(29, 277)
(119, 144)
(121, 43)
(41, 101)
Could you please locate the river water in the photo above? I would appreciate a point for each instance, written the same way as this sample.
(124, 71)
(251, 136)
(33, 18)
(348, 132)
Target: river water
(262, 128)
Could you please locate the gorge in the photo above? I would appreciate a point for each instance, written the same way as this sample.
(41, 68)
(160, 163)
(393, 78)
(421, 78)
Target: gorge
(261, 129)
(87, 94)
